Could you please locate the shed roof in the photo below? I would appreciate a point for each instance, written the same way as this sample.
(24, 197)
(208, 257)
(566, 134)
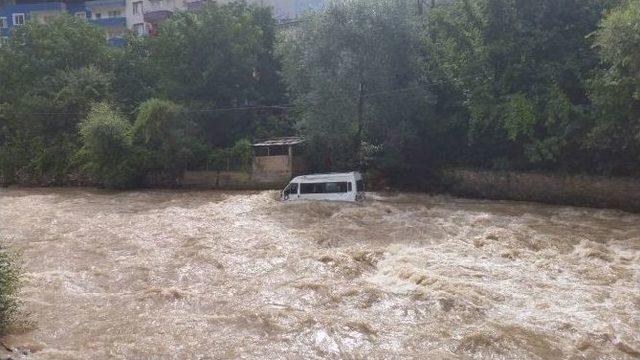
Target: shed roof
(283, 141)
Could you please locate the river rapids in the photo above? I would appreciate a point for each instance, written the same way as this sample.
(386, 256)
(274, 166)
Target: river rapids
(229, 275)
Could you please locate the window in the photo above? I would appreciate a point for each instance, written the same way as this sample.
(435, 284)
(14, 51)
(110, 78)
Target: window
(312, 189)
(3, 23)
(291, 189)
(97, 16)
(274, 150)
(137, 7)
(360, 185)
(18, 19)
(115, 13)
(81, 15)
(325, 188)
(138, 29)
(155, 4)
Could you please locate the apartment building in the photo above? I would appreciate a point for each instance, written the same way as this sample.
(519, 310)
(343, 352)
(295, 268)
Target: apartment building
(144, 16)
(115, 17)
(107, 14)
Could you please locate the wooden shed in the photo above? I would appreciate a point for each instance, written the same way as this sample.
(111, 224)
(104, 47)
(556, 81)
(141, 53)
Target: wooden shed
(277, 160)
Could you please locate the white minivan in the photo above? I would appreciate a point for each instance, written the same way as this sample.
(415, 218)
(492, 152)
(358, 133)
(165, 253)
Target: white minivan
(331, 187)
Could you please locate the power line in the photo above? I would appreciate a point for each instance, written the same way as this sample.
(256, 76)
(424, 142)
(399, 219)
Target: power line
(256, 107)
(273, 107)
(237, 108)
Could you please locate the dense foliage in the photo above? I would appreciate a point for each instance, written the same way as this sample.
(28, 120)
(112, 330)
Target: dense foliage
(358, 76)
(382, 85)
(108, 152)
(546, 85)
(164, 103)
(50, 75)
(522, 69)
(614, 130)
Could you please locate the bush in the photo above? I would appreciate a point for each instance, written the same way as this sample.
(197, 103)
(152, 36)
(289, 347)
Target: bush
(242, 154)
(218, 160)
(108, 152)
(10, 276)
(238, 157)
(158, 130)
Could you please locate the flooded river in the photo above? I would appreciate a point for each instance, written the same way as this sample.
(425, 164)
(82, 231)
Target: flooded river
(226, 275)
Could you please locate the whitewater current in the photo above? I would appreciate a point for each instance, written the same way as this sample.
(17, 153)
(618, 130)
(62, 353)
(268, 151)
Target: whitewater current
(229, 275)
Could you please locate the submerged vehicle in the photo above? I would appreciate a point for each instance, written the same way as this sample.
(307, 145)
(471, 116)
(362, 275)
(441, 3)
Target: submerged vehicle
(330, 187)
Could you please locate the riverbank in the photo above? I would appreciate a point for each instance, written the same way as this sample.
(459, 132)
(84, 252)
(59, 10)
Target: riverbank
(549, 188)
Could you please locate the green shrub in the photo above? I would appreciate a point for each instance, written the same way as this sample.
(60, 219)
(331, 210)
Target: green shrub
(242, 154)
(108, 152)
(10, 276)
(158, 130)
(218, 160)
(238, 157)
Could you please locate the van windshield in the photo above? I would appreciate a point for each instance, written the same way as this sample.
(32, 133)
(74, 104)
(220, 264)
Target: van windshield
(360, 185)
(291, 189)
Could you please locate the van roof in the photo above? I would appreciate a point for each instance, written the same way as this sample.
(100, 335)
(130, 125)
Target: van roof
(328, 176)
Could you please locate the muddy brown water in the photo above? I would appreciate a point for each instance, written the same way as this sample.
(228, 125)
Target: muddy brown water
(226, 275)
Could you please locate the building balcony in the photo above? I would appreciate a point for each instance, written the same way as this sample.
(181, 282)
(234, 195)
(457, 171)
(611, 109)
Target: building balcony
(104, 4)
(156, 11)
(37, 7)
(194, 5)
(157, 16)
(110, 22)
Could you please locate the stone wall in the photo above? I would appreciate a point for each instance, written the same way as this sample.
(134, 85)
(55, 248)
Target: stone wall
(579, 190)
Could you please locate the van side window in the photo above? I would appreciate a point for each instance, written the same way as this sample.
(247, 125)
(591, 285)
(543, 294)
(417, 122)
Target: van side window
(337, 187)
(350, 187)
(312, 188)
(325, 188)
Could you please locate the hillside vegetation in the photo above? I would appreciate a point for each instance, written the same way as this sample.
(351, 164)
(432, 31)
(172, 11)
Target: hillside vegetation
(550, 85)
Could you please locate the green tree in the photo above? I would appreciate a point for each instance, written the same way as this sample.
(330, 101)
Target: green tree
(219, 57)
(159, 129)
(50, 75)
(354, 73)
(133, 77)
(522, 69)
(207, 56)
(107, 148)
(614, 136)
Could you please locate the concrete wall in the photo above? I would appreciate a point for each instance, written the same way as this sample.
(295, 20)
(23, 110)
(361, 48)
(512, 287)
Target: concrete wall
(228, 180)
(621, 193)
(271, 169)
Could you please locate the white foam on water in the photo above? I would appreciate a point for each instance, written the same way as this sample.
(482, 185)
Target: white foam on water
(174, 274)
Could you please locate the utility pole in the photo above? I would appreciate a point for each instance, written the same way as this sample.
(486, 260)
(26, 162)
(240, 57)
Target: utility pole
(360, 112)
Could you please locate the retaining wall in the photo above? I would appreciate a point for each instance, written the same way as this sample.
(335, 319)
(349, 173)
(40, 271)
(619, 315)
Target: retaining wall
(232, 180)
(580, 190)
